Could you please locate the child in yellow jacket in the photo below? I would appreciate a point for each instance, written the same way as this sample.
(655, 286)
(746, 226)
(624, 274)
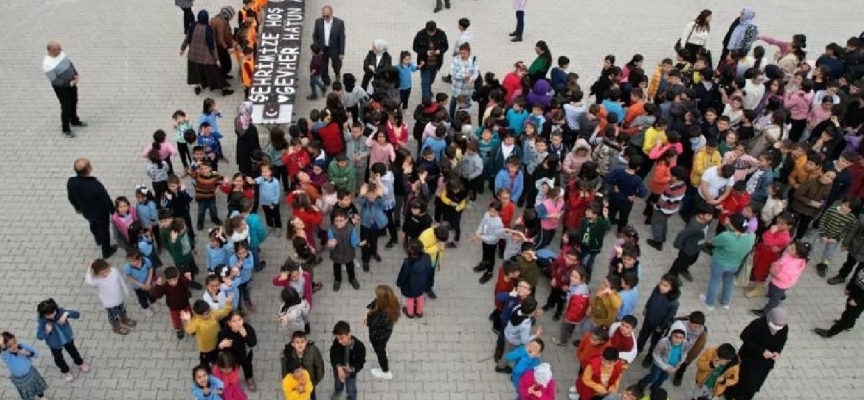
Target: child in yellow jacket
(604, 306)
(297, 385)
(205, 326)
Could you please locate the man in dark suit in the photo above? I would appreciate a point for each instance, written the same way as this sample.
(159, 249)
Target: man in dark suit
(329, 34)
(91, 200)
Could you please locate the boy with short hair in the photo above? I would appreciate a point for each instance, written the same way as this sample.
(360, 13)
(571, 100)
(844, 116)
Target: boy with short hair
(689, 242)
(178, 200)
(517, 332)
(204, 324)
(524, 359)
(373, 221)
(347, 357)
(471, 170)
(836, 223)
(205, 182)
(489, 231)
(342, 240)
(315, 64)
(511, 177)
(666, 206)
(176, 293)
(592, 230)
(626, 187)
(342, 173)
(209, 142)
(433, 241)
(508, 276)
(604, 306)
(112, 289)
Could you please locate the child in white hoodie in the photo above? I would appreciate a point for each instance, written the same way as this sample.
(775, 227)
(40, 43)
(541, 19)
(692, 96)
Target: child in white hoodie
(489, 231)
(471, 169)
(112, 289)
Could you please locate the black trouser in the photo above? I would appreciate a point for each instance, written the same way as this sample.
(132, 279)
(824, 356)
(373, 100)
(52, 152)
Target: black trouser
(144, 299)
(474, 186)
(370, 235)
(556, 299)
(682, 263)
(404, 95)
(337, 271)
(185, 154)
(224, 60)
(246, 364)
(208, 358)
(60, 361)
(847, 267)
(271, 215)
(649, 206)
(489, 256)
(331, 57)
(679, 374)
(622, 211)
(648, 331)
(188, 19)
(392, 225)
(454, 218)
(68, 97)
(101, 230)
(802, 225)
(380, 347)
(797, 129)
(848, 318)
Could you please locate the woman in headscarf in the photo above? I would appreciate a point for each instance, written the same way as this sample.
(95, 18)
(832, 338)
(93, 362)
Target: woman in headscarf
(247, 138)
(744, 34)
(376, 61)
(203, 65)
(537, 384)
(763, 341)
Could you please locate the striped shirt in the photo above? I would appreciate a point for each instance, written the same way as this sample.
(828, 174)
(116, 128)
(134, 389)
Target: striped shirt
(205, 186)
(670, 200)
(835, 225)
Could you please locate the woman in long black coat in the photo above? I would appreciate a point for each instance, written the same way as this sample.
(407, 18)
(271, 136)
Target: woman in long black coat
(377, 60)
(247, 139)
(764, 339)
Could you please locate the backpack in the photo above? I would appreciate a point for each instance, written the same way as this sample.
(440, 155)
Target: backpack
(478, 83)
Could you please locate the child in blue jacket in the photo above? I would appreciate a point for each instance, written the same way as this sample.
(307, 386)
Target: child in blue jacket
(373, 221)
(257, 232)
(53, 327)
(511, 177)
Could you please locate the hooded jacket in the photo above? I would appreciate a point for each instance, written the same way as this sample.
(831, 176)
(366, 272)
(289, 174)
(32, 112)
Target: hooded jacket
(60, 333)
(539, 94)
(664, 348)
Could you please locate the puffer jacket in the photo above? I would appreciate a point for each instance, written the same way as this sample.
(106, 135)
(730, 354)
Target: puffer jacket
(811, 190)
(539, 94)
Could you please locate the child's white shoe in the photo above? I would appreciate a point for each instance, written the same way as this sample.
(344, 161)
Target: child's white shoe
(68, 377)
(148, 312)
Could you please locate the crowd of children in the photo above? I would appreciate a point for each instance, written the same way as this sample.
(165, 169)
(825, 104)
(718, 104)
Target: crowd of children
(691, 141)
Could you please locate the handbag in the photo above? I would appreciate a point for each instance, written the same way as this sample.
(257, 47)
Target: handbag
(679, 45)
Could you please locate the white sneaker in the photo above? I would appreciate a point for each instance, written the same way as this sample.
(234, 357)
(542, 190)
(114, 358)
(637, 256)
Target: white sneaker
(148, 312)
(378, 373)
(704, 300)
(727, 306)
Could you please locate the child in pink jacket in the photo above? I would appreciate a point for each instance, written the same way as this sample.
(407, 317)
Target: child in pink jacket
(537, 384)
(785, 273)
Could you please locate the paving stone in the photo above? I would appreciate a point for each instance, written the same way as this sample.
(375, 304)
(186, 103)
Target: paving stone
(133, 79)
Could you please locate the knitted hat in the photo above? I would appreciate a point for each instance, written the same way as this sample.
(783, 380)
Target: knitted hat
(543, 374)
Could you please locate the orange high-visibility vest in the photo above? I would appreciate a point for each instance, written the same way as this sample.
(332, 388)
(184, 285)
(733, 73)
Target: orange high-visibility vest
(248, 70)
(258, 5)
(252, 34)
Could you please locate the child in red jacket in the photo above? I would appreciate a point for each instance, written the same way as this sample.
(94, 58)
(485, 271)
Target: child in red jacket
(237, 188)
(733, 204)
(295, 159)
(560, 270)
(293, 276)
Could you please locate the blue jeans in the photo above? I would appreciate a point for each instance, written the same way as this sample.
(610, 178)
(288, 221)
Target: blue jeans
(520, 23)
(655, 377)
(350, 385)
(775, 297)
(427, 78)
(720, 274)
(588, 261)
(316, 83)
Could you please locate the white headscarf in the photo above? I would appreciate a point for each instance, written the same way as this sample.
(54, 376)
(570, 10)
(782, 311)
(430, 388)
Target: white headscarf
(543, 374)
(381, 46)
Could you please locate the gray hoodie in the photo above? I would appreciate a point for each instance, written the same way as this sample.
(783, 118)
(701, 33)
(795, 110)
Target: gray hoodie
(471, 166)
(491, 229)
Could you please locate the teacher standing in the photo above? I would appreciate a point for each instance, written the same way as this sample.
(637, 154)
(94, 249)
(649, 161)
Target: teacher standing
(91, 200)
(64, 79)
(329, 34)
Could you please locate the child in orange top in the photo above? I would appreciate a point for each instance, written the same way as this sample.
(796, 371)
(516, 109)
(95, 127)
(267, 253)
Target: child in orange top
(601, 375)
(733, 204)
(592, 345)
(659, 180)
(508, 209)
(247, 68)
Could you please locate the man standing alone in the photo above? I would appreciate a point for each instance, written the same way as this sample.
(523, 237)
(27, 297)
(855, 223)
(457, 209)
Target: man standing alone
(430, 44)
(92, 201)
(329, 34)
(64, 78)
